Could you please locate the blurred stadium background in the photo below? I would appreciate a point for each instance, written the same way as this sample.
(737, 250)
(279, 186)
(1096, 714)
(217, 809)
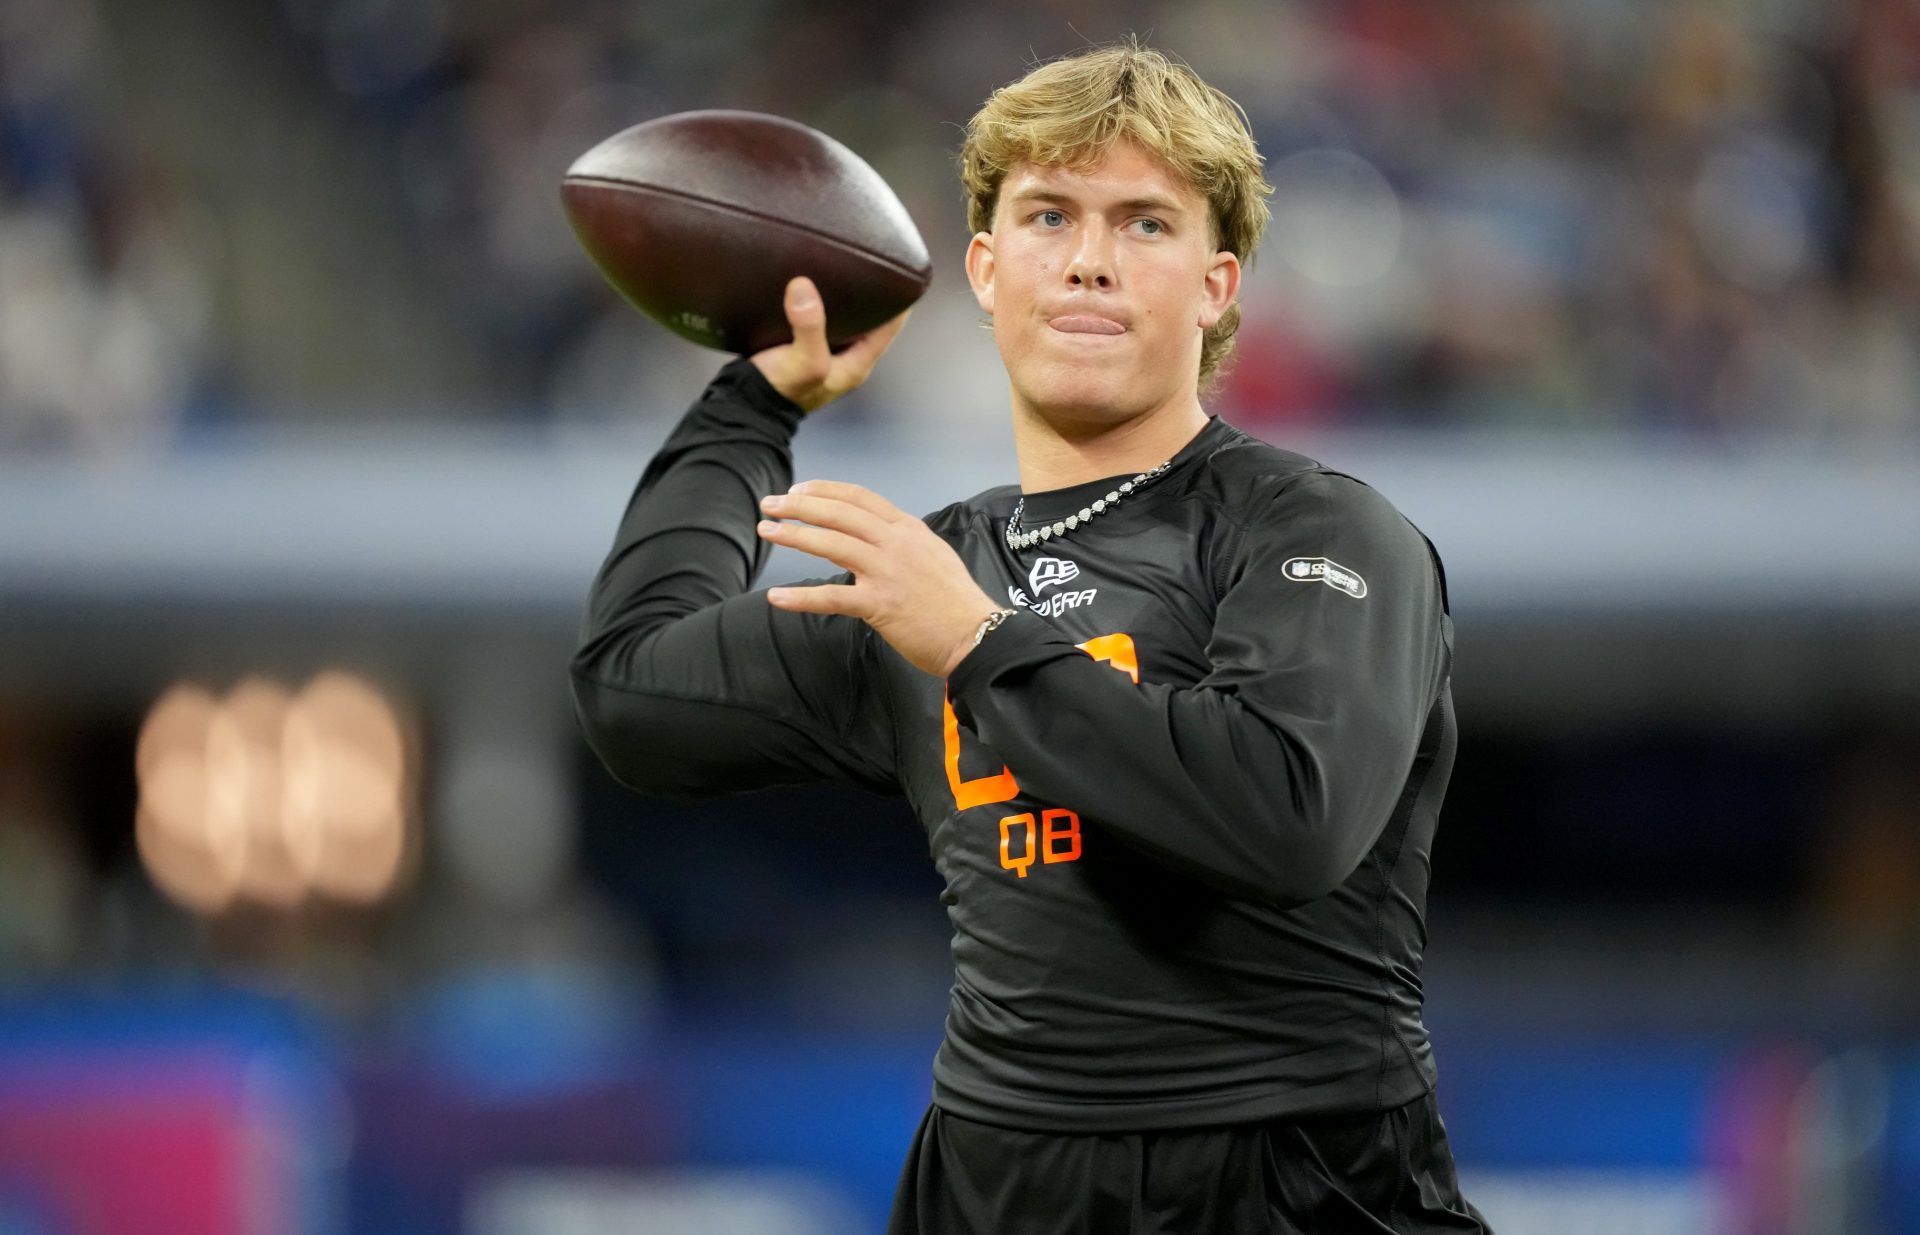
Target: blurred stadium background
(315, 915)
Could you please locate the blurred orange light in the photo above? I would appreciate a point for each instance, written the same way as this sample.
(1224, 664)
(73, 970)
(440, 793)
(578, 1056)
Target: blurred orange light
(273, 797)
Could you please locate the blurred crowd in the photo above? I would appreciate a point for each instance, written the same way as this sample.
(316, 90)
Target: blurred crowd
(104, 295)
(1686, 217)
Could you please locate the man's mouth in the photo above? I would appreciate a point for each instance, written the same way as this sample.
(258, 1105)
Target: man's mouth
(1086, 323)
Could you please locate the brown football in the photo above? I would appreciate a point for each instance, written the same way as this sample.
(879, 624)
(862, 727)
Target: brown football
(701, 218)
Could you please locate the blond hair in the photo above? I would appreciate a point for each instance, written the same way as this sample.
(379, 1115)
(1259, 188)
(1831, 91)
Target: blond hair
(1070, 112)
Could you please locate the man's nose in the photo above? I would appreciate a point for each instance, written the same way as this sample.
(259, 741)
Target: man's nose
(1092, 261)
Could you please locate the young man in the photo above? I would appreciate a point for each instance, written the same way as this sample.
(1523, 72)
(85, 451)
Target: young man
(1174, 710)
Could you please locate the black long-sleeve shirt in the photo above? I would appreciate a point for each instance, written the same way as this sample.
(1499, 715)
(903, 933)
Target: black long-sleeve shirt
(1183, 802)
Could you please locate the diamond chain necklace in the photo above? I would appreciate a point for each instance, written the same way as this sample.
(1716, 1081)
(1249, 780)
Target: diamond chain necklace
(1017, 539)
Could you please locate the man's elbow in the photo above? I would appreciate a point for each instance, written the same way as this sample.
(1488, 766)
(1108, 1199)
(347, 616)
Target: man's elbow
(630, 736)
(1314, 848)
(1312, 876)
(1334, 813)
(1280, 867)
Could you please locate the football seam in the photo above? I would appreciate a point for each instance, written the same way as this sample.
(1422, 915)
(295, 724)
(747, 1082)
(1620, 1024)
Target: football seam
(757, 216)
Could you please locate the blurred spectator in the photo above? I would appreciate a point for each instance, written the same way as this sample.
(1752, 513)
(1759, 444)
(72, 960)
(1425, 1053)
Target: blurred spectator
(1524, 212)
(44, 885)
(103, 298)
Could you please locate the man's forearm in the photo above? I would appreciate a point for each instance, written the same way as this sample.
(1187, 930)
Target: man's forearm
(1248, 800)
(687, 538)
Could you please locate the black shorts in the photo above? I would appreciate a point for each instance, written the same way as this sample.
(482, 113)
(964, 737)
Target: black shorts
(1339, 1175)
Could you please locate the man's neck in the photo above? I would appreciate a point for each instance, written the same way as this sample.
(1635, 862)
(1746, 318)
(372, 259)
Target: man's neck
(1056, 458)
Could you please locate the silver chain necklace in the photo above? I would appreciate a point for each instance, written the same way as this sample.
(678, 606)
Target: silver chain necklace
(1017, 539)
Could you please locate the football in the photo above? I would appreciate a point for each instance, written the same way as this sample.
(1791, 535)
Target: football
(700, 219)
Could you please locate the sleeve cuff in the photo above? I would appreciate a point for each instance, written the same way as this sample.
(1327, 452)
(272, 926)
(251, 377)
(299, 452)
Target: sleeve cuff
(751, 386)
(1022, 640)
(739, 405)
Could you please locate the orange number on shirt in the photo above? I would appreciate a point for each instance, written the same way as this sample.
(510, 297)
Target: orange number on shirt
(981, 790)
(1115, 649)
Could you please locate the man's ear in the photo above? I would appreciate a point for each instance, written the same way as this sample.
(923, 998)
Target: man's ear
(1222, 285)
(980, 269)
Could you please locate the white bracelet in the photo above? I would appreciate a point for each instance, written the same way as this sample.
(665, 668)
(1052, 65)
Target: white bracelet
(991, 621)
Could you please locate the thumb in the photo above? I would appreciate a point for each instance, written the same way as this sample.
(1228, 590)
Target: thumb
(807, 316)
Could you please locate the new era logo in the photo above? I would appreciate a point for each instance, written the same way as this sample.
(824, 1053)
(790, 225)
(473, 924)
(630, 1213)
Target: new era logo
(1050, 570)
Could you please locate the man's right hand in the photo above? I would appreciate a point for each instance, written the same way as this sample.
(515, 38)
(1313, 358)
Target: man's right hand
(805, 370)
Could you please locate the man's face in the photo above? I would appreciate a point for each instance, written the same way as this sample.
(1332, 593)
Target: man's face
(1100, 283)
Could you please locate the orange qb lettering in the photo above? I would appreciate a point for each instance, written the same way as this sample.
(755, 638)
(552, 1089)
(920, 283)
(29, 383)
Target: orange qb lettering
(1058, 839)
(1052, 829)
(1018, 865)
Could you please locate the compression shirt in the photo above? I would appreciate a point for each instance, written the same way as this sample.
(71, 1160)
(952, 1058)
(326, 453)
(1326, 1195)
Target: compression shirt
(1183, 802)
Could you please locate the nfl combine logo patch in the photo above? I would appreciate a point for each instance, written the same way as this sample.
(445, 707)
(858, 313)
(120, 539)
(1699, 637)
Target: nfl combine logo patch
(1325, 570)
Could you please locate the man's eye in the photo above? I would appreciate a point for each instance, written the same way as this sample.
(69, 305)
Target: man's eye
(1153, 227)
(1052, 218)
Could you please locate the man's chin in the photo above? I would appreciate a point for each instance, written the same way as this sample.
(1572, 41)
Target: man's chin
(1083, 401)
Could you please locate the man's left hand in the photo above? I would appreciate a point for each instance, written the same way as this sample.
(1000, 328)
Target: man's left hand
(908, 584)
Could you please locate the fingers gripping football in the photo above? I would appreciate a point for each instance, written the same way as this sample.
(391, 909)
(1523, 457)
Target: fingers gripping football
(909, 584)
(806, 370)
